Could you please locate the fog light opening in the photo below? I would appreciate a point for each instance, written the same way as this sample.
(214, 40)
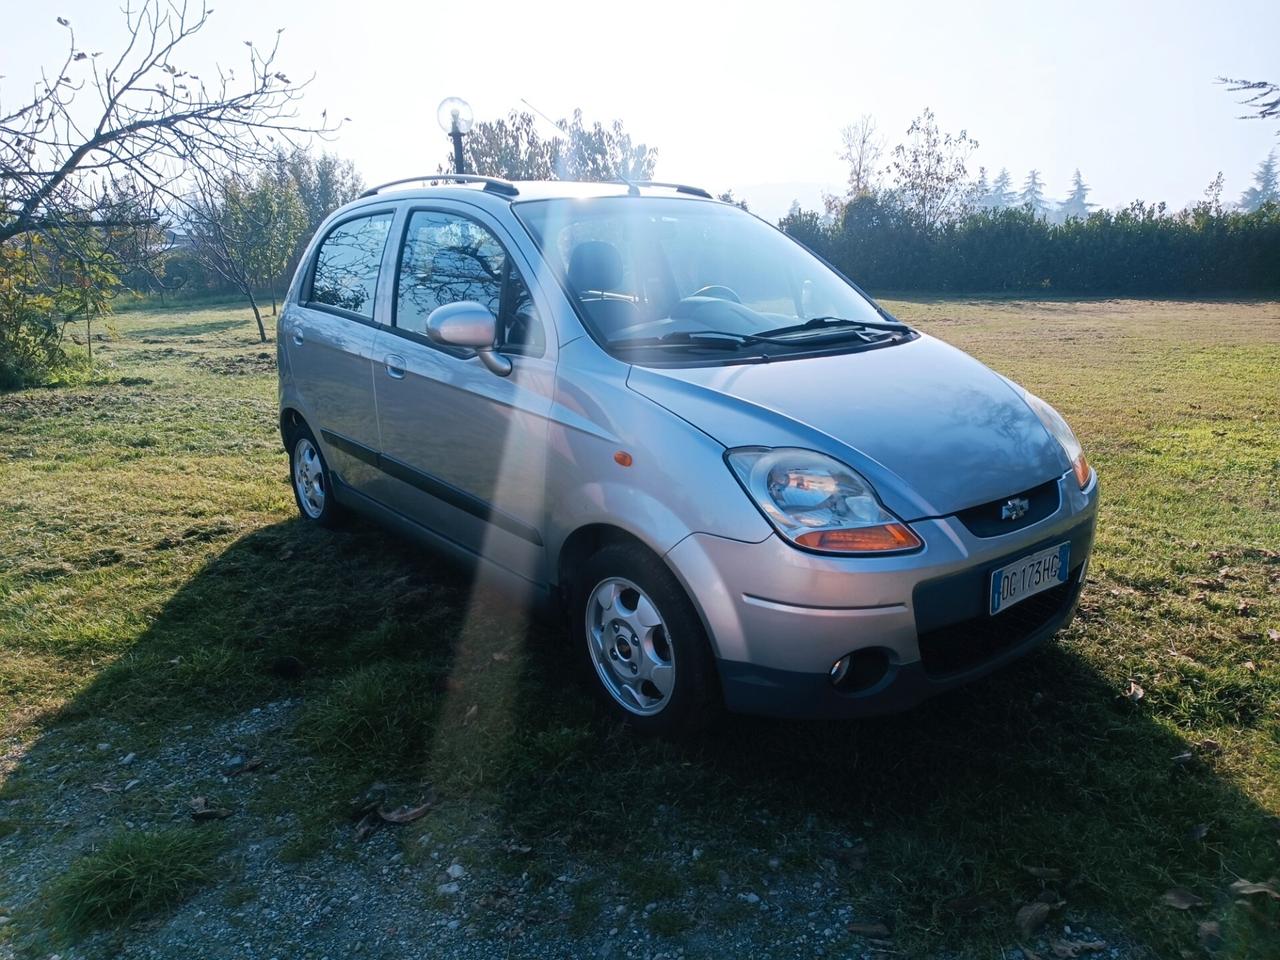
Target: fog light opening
(860, 670)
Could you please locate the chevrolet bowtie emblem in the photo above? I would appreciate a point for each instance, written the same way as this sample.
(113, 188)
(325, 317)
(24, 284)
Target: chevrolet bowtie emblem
(1015, 508)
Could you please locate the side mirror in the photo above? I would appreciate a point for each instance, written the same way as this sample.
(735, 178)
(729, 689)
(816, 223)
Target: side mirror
(468, 324)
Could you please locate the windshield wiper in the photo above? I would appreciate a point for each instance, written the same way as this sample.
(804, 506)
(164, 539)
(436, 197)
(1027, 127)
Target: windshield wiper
(821, 323)
(723, 339)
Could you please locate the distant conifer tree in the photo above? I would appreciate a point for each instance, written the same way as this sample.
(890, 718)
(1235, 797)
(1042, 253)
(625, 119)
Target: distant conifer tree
(1076, 204)
(1265, 186)
(1033, 194)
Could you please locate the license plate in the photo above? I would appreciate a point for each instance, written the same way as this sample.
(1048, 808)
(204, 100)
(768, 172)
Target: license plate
(1030, 575)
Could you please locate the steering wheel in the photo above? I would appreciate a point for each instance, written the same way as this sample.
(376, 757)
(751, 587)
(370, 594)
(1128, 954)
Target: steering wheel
(718, 291)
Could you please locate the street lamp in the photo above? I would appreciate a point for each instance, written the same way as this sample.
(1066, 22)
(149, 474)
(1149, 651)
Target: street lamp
(456, 118)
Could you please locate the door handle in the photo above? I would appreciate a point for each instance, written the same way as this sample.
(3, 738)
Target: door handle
(395, 365)
(297, 336)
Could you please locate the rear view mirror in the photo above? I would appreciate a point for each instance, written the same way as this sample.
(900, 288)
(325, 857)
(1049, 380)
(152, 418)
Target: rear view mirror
(472, 325)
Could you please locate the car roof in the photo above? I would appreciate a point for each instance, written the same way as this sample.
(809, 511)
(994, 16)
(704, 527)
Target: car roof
(517, 191)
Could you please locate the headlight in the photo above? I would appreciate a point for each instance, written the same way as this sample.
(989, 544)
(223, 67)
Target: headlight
(1059, 430)
(817, 502)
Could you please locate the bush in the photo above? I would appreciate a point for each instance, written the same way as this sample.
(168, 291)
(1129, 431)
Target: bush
(46, 282)
(1138, 251)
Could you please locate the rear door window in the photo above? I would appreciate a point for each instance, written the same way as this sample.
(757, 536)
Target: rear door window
(347, 264)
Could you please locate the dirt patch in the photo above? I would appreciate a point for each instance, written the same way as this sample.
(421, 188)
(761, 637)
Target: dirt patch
(247, 364)
(200, 533)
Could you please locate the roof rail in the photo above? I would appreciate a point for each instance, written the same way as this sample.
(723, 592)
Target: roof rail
(492, 184)
(678, 187)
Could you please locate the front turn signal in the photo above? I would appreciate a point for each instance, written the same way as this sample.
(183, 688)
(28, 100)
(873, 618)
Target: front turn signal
(877, 539)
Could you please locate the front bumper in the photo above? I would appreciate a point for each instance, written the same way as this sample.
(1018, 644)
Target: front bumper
(778, 617)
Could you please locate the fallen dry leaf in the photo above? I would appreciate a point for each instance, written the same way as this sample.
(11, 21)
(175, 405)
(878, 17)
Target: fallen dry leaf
(1180, 898)
(1068, 949)
(1211, 747)
(869, 929)
(1250, 666)
(404, 813)
(1198, 832)
(365, 827)
(1186, 757)
(247, 767)
(1273, 634)
(369, 801)
(1135, 692)
(1243, 888)
(200, 810)
(471, 713)
(1031, 917)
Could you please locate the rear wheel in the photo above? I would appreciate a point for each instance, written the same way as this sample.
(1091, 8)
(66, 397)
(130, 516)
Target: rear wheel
(312, 486)
(647, 650)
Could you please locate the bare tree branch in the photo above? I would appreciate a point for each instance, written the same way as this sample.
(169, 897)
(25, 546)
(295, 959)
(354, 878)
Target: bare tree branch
(154, 123)
(1264, 99)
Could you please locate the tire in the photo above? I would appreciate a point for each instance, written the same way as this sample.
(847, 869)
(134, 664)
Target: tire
(310, 479)
(646, 652)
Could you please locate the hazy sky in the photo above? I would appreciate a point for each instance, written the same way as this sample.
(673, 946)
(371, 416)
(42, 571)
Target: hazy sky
(752, 96)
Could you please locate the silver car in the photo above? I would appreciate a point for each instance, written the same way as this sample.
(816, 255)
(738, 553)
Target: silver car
(745, 483)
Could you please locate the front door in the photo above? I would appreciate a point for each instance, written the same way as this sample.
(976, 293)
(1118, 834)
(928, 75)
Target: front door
(463, 449)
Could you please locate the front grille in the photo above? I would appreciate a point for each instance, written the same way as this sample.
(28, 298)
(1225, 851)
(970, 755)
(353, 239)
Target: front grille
(986, 519)
(970, 643)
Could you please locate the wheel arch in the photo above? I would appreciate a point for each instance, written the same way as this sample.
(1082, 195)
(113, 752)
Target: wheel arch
(587, 539)
(290, 420)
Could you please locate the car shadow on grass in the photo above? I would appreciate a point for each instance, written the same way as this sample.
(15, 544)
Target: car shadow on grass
(398, 670)
(178, 331)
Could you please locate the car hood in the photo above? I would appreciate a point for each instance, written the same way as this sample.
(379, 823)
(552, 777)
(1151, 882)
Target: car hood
(933, 429)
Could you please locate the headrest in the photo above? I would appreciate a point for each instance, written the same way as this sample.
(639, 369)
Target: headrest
(595, 265)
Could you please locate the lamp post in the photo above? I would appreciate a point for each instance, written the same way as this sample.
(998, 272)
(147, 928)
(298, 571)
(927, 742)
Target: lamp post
(455, 118)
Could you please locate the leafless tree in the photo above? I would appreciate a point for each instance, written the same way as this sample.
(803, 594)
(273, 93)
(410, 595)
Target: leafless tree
(861, 148)
(141, 119)
(930, 172)
(220, 231)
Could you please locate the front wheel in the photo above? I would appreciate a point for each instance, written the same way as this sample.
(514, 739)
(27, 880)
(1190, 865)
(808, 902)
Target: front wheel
(646, 647)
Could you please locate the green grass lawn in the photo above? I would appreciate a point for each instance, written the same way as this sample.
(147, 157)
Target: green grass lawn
(153, 580)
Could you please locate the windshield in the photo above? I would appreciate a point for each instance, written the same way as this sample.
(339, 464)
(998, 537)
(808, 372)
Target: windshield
(668, 276)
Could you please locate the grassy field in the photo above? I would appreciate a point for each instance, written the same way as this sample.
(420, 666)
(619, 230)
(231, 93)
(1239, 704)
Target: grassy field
(154, 585)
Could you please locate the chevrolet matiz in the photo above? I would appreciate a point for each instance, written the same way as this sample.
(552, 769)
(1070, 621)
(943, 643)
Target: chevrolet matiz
(745, 483)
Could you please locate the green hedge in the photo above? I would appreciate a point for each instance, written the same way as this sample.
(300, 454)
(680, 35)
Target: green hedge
(1138, 251)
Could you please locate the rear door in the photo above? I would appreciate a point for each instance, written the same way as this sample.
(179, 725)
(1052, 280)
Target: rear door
(330, 337)
(464, 450)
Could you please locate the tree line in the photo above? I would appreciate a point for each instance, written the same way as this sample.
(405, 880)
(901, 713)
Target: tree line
(130, 173)
(921, 223)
